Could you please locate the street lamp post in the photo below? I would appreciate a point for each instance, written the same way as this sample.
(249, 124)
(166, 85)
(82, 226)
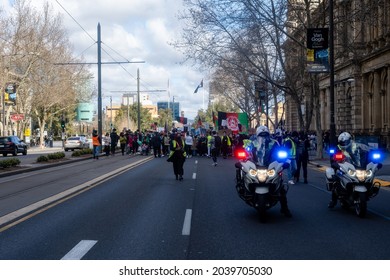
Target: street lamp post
(332, 132)
(139, 103)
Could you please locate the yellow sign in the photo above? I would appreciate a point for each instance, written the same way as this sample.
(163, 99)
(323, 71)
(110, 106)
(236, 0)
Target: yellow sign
(27, 132)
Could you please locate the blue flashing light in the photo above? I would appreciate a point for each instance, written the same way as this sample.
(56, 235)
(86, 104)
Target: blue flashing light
(282, 154)
(332, 151)
(376, 156)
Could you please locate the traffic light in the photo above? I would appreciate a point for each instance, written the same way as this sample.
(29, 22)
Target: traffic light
(63, 125)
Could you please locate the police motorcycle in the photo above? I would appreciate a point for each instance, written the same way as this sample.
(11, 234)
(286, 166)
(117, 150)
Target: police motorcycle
(351, 176)
(259, 180)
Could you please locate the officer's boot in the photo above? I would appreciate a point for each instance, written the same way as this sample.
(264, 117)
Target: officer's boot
(283, 204)
(333, 201)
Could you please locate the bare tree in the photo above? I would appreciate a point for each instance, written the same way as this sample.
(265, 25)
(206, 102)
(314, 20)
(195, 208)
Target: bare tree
(46, 89)
(246, 35)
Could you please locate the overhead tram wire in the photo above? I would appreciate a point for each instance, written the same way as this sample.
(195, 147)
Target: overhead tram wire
(89, 35)
(98, 63)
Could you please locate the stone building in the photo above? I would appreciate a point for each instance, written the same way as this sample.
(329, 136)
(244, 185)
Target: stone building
(362, 71)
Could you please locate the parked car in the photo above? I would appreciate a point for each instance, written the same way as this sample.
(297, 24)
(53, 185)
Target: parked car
(12, 145)
(76, 142)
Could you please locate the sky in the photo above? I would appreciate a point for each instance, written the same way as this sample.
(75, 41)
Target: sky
(133, 30)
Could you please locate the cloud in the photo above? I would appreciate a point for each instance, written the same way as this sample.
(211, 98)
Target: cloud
(136, 30)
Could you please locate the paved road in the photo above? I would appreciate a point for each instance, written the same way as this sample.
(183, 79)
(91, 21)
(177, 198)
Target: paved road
(144, 213)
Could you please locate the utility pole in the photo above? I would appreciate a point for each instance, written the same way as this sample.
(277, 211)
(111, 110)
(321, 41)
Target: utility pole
(332, 133)
(173, 109)
(111, 126)
(139, 103)
(99, 57)
(99, 64)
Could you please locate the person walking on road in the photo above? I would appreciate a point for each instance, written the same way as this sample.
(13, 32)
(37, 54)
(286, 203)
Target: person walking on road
(215, 146)
(291, 144)
(114, 141)
(177, 156)
(303, 147)
(156, 142)
(96, 143)
(106, 144)
(225, 145)
(189, 141)
(122, 142)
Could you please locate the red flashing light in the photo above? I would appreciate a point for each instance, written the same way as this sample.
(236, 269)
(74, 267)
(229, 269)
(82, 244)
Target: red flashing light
(241, 154)
(339, 156)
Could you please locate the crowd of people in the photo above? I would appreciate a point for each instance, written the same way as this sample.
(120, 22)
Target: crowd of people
(211, 144)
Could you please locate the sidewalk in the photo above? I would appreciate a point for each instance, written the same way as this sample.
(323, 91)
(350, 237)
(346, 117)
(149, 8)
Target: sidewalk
(57, 147)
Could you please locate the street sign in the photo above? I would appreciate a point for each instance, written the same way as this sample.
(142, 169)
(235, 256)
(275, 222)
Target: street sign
(17, 117)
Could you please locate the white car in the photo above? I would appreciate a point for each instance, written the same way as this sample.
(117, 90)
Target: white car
(76, 142)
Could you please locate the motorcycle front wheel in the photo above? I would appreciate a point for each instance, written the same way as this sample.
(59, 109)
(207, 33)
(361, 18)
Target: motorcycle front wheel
(361, 205)
(261, 207)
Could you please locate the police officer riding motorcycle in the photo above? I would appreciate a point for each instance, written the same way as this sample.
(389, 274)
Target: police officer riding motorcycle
(352, 173)
(259, 171)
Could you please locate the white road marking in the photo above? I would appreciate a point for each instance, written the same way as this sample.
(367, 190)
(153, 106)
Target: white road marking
(194, 176)
(187, 223)
(79, 250)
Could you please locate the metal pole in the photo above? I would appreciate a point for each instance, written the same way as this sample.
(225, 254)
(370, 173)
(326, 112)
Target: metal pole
(111, 124)
(173, 109)
(99, 54)
(128, 113)
(332, 133)
(4, 134)
(139, 103)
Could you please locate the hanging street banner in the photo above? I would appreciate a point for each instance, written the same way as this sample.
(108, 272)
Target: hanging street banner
(10, 94)
(317, 50)
(236, 122)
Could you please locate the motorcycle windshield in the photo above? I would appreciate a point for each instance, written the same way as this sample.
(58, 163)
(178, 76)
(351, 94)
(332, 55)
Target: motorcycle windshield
(357, 155)
(266, 151)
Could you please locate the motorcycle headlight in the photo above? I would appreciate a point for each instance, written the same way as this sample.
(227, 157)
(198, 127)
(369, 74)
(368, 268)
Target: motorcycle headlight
(271, 172)
(369, 173)
(361, 175)
(351, 172)
(262, 175)
(253, 172)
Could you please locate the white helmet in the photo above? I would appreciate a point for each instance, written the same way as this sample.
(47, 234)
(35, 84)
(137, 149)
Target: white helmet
(344, 140)
(278, 132)
(262, 131)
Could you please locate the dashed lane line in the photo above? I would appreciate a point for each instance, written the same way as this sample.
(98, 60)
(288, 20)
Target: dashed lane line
(80, 250)
(187, 222)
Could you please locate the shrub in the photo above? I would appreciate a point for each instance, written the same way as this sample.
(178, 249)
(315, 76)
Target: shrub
(82, 152)
(42, 159)
(9, 162)
(57, 155)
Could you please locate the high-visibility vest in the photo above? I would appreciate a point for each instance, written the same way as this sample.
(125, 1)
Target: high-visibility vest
(209, 137)
(229, 143)
(292, 152)
(174, 143)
